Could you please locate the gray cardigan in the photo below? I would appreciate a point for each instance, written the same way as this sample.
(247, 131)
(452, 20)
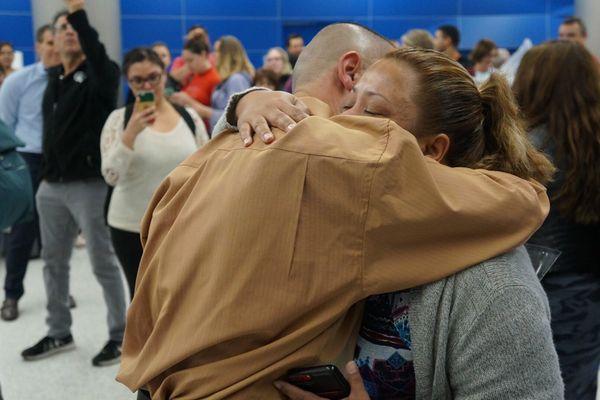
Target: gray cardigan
(484, 333)
(481, 334)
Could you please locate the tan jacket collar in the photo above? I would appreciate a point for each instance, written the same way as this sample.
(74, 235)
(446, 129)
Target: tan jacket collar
(317, 107)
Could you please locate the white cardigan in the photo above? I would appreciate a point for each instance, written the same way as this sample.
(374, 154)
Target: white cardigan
(136, 173)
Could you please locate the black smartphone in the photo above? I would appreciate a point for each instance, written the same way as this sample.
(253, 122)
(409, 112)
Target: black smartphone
(324, 380)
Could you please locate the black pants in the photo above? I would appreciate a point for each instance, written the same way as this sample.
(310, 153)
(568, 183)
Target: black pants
(128, 247)
(574, 301)
(20, 241)
(141, 395)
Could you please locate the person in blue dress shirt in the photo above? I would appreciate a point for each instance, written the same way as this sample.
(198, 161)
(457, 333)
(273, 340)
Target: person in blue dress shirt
(21, 109)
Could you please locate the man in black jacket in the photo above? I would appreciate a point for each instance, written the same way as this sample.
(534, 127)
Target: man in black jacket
(80, 95)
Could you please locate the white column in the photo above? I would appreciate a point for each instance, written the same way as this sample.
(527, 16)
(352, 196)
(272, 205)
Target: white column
(104, 15)
(589, 11)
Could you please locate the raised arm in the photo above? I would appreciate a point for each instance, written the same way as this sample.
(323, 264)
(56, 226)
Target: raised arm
(94, 50)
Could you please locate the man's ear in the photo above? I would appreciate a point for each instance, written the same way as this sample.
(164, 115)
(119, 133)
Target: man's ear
(349, 67)
(435, 146)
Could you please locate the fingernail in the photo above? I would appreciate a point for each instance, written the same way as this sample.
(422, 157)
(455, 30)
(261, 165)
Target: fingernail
(277, 384)
(247, 141)
(268, 136)
(351, 367)
(290, 127)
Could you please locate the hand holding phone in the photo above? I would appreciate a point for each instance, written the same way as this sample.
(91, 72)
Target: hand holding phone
(146, 100)
(144, 114)
(331, 390)
(325, 381)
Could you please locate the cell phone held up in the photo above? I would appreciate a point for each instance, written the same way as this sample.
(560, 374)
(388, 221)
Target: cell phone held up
(324, 381)
(146, 100)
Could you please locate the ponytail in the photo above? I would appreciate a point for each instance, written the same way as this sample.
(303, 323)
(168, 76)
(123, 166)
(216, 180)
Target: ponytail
(506, 146)
(484, 125)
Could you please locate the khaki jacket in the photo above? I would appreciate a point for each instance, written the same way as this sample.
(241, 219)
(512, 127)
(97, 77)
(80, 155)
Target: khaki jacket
(256, 259)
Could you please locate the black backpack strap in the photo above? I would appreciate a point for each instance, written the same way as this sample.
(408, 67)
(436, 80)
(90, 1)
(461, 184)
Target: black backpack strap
(189, 121)
(128, 113)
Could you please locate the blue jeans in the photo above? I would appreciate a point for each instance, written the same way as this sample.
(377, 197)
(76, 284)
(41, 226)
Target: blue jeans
(19, 242)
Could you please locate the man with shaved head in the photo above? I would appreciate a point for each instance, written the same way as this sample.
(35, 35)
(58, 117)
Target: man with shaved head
(333, 42)
(326, 71)
(256, 259)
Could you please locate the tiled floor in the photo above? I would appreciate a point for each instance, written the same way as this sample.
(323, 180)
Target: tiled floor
(68, 376)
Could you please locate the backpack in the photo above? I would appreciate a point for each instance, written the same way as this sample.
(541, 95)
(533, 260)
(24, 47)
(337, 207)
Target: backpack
(16, 190)
(187, 118)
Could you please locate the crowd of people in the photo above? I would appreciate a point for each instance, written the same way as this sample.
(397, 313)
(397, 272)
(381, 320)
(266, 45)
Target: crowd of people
(388, 229)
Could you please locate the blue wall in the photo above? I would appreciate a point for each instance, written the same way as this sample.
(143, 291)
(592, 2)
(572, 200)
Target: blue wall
(261, 24)
(16, 26)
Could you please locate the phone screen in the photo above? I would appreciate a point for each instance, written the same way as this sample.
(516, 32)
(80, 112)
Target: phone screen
(146, 100)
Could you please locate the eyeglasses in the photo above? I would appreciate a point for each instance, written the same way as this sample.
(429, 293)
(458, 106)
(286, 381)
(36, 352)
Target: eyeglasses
(152, 79)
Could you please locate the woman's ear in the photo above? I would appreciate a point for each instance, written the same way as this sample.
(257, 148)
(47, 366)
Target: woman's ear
(435, 146)
(348, 69)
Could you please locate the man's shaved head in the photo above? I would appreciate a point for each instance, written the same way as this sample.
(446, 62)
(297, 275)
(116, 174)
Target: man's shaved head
(333, 41)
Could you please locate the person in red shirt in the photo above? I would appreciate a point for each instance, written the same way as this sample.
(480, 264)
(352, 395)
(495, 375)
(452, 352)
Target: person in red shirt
(205, 77)
(179, 70)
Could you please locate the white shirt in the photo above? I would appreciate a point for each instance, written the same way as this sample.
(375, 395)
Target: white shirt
(136, 173)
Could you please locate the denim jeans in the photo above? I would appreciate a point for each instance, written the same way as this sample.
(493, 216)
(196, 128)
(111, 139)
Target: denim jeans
(64, 209)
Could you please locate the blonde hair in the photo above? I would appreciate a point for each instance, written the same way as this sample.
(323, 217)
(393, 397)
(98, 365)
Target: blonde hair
(232, 58)
(418, 38)
(484, 125)
(287, 66)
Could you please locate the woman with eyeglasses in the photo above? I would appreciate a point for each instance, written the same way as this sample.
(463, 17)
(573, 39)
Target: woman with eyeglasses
(278, 61)
(140, 145)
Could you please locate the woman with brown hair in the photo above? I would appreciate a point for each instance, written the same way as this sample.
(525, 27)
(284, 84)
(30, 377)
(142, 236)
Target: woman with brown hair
(236, 73)
(483, 332)
(7, 56)
(558, 89)
(139, 147)
(482, 57)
